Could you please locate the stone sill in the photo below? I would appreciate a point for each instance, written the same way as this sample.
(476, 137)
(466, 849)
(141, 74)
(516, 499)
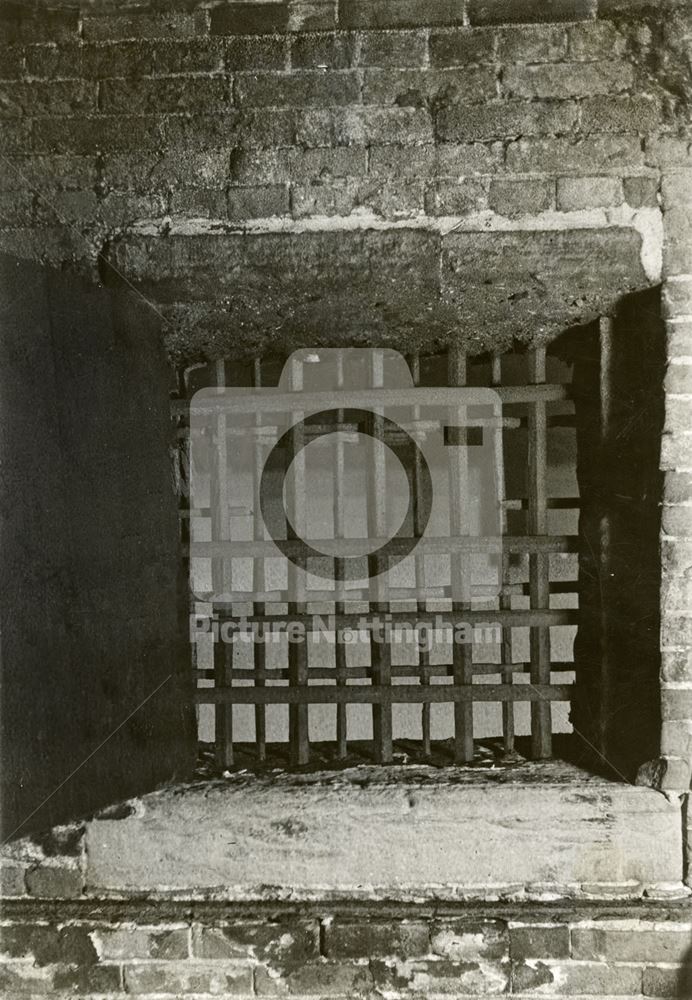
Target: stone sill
(420, 834)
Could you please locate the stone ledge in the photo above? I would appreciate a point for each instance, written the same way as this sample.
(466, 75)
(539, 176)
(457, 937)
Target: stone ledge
(410, 833)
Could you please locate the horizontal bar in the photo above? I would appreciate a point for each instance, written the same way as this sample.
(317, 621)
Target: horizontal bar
(516, 618)
(323, 694)
(428, 544)
(360, 673)
(272, 401)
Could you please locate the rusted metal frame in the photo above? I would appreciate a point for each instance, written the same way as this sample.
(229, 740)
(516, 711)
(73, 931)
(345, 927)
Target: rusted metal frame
(355, 673)
(259, 651)
(327, 694)
(605, 706)
(340, 667)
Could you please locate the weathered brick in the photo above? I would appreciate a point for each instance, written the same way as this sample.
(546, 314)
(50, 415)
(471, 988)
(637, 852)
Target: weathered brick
(456, 197)
(574, 193)
(11, 881)
(312, 15)
(66, 206)
(678, 378)
(677, 487)
(181, 133)
(11, 62)
(638, 114)
(640, 945)
(248, 52)
(668, 151)
(596, 40)
(184, 977)
(54, 882)
(529, 11)
(82, 979)
(322, 51)
(527, 196)
(399, 49)
(164, 94)
(20, 979)
(122, 208)
(131, 942)
(676, 737)
(257, 202)
(567, 80)
(207, 168)
(363, 126)
(440, 976)
(532, 44)
(676, 451)
(640, 191)
(56, 98)
(539, 941)
(392, 198)
(677, 520)
(305, 89)
(409, 939)
(399, 13)
(249, 19)
(597, 153)
(142, 25)
(469, 941)
(15, 135)
(448, 160)
(20, 23)
(461, 47)
(198, 202)
(676, 631)
(191, 56)
(676, 706)
(676, 298)
(341, 196)
(329, 979)
(99, 61)
(667, 982)
(578, 978)
(415, 88)
(280, 166)
(503, 120)
(294, 941)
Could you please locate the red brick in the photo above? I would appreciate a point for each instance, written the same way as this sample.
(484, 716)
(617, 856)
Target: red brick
(415, 88)
(164, 94)
(257, 202)
(249, 19)
(399, 49)
(448, 160)
(456, 197)
(363, 126)
(461, 47)
(575, 193)
(620, 114)
(19, 23)
(503, 120)
(184, 977)
(321, 51)
(641, 191)
(409, 939)
(246, 52)
(596, 40)
(532, 44)
(514, 198)
(293, 941)
(54, 98)
(599, 153)
(567, 80)
(529, 11)
(641, 945)
(399, 13)
(142, 25)
(305, 89)
(539, 942)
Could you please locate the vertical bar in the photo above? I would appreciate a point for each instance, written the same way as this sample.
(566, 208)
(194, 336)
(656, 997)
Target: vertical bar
(259, 650)
(299, 746)
(340, 607)
(419, 560)
(508, 729)
(462, 653)
(221, 573)
(380, 652)
(539, 586)
(605, 398)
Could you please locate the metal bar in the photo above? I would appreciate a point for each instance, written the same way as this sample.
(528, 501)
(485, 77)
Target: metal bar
(221, 578)
(380, 652)
(508, 731)
(414, 473)
(355, 673)
(249, 402)
(541, 716)
(298, 734)
(340, 607)
(462, 653)
(326, 694)
(606, 708)
(259, 651)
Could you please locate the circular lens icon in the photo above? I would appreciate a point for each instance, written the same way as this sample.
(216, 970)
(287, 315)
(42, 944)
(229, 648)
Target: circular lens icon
(297, 549)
